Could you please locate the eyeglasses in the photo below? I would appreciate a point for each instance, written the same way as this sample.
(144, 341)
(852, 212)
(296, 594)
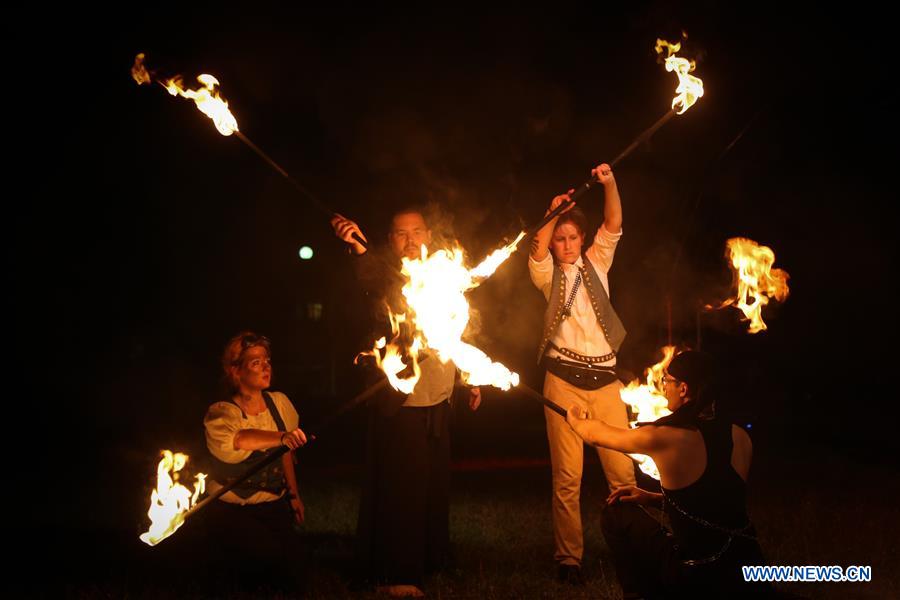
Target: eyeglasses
(252, 340)
(668, 379)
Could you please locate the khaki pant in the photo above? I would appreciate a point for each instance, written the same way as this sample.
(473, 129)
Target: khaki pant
(567, 459)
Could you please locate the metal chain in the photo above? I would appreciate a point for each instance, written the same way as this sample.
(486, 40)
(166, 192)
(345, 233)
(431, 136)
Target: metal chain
(694, 562)
(567, 309)
(705, 523)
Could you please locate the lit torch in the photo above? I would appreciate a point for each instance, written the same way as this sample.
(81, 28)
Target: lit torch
(207, 100)
(170, 501)
(139, 71)
(210, 103)
(755, 280)
(438, 314)
(648, 402)
(689, 89)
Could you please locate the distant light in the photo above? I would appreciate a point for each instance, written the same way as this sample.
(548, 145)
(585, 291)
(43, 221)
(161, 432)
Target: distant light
(749, 425)
(306, 252)
(314, 311)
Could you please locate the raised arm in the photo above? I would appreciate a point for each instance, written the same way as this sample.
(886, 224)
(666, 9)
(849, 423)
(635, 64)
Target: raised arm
(344, 229)
(540, 244)
(612, 203)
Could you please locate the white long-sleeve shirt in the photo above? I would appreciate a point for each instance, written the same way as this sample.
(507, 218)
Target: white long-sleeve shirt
(580, 332)
(222, 422)
(435, 385)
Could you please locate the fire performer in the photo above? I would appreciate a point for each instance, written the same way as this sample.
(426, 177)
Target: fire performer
(403, 529)
(257, 517)
(582, 334)
(703, 463)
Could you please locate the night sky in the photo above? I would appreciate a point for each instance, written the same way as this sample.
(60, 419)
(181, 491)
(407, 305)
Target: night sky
(142, 239)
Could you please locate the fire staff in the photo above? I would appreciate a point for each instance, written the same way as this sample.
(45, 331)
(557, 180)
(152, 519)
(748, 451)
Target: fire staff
(403, 530)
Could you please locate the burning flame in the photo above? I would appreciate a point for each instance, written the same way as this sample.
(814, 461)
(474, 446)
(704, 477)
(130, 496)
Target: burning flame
(392, 363)
(138, 71)
(208, 101)
(496, 258)
(690, 88)
(438, 314)
(649, 403)
(170, 500)
(206, 98)
(756, 280)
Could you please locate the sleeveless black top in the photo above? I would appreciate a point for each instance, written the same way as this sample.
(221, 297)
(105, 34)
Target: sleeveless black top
(710, 515)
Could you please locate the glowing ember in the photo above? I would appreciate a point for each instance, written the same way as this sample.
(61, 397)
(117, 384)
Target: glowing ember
(207, 100)
(138, 71)
(690, 88)
(756, 281)
(649, 403)
(438, 314)
(170, 500)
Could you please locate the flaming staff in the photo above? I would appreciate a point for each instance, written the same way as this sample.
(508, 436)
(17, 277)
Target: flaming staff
(170, 501)
(435, 318)
(210, 103)
(437, 314)
(689, 90)
(172, 504)
(755, 281)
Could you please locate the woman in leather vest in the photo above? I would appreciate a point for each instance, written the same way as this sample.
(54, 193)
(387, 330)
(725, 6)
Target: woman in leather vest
(581, 337)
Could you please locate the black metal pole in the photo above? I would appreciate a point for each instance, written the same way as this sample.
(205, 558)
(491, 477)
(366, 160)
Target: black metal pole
(314, 430)
(141, 75)
(322, 207)
(311, 434)
(233, 484)
(542, 399)
(593, 180)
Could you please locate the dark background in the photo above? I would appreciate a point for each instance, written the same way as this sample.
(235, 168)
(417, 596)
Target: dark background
(142, 239)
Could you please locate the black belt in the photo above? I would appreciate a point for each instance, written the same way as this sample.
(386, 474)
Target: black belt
(579, 375)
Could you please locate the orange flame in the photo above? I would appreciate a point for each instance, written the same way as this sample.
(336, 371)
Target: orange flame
(649, 403)
(496, 258)
(438, 314)
(690, 88)
(138, 71)
(170, 500)
(392, 362)
(207, 100)
(755, 279)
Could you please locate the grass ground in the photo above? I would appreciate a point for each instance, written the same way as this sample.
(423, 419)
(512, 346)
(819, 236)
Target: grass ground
(811, 508)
